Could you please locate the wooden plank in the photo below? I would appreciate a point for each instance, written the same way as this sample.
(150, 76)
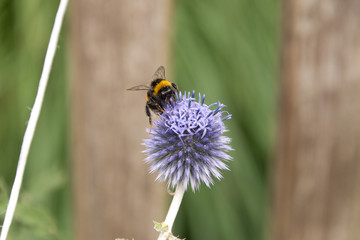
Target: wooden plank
(116, 45)
(317, 172)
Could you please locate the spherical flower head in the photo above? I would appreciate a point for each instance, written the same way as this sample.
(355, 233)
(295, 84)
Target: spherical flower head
(186, 145)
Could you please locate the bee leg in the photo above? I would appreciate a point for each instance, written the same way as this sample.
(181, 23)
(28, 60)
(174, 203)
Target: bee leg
(157, 108)
(147, 110)
(161, 109)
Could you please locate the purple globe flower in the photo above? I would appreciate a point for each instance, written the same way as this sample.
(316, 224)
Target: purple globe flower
(187, 145)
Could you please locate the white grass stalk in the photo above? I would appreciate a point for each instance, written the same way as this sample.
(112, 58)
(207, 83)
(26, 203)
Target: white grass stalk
(34, 116)
(173, 210)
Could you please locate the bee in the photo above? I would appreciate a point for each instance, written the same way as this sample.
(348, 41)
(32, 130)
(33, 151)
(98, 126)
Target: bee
(158, 94)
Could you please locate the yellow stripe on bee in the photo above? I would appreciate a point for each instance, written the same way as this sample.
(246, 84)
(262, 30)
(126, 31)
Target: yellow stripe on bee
(147, 98)
(160, 85)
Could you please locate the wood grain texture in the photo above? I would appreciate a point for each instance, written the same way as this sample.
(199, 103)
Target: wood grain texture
(116, 45)
(317, 172)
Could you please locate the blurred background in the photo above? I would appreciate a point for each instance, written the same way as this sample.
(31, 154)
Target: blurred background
(229, 50)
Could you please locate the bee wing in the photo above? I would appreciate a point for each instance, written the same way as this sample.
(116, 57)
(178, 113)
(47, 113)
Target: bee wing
(159, 73)
(139, 87)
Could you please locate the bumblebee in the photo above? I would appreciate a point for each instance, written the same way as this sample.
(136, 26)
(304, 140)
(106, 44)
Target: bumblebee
(158, 94)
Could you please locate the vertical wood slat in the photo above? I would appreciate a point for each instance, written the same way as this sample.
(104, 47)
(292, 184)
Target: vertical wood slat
(116, 45)
(317, 171)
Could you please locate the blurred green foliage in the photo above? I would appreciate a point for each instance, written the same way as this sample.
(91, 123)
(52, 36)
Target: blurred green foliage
(43, 208)
(226, 49)
(229, 51)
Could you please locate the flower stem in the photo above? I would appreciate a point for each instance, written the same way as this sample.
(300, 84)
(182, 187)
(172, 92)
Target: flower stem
(173, 210)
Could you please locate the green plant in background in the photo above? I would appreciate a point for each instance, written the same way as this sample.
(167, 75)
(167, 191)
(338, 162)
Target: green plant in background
(228, 49)
(43, 206)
